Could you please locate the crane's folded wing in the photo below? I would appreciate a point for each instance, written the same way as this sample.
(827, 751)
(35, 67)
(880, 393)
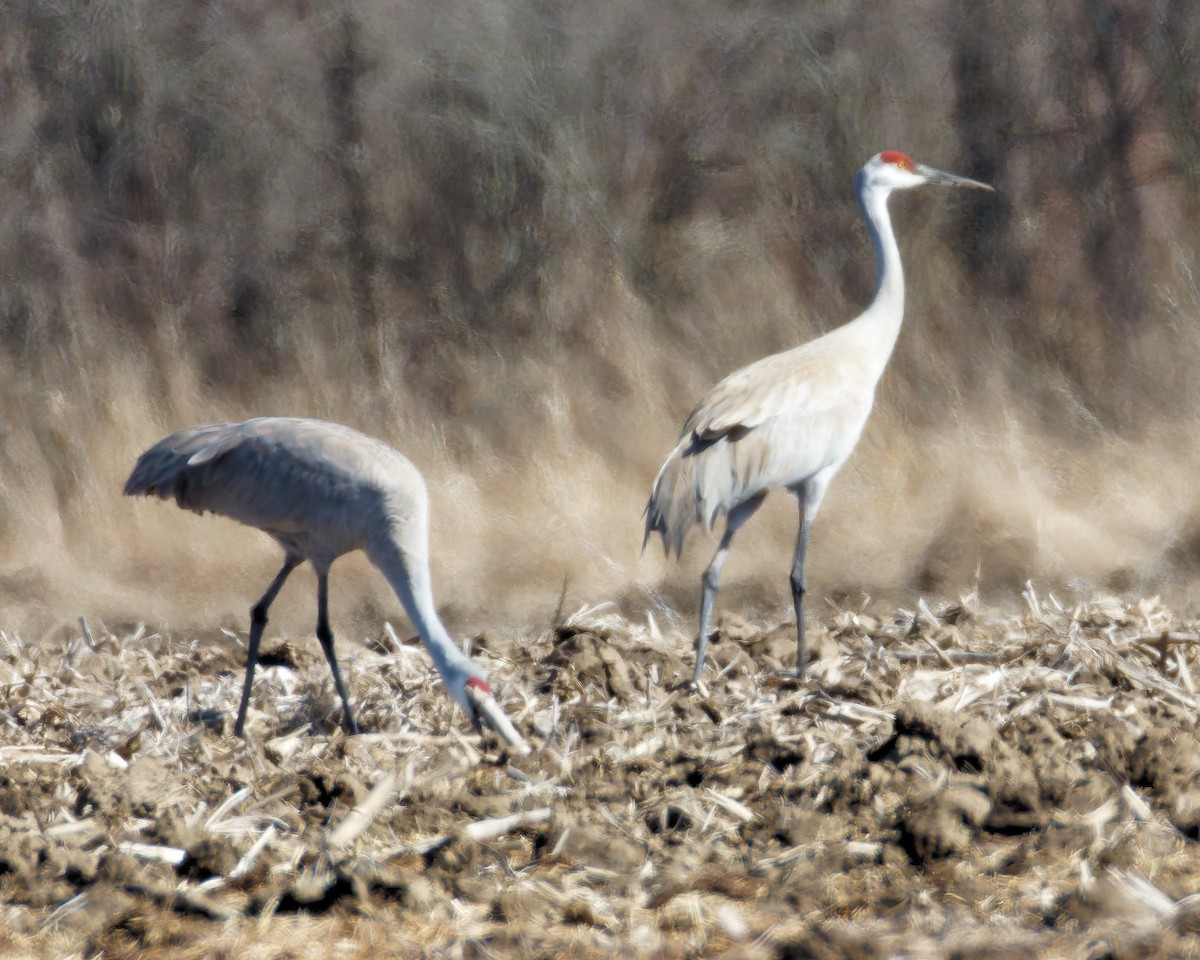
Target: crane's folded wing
(807, 381)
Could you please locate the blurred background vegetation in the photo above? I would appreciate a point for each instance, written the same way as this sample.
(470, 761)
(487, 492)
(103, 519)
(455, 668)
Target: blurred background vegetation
(519, 239)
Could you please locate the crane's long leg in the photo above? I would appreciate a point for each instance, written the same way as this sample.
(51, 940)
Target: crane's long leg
(806, 516)
(258, 620)
(710, 583)
(325, 635)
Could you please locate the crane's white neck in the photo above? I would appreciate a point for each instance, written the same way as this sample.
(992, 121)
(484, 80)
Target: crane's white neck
(407, 570)
(887, 309)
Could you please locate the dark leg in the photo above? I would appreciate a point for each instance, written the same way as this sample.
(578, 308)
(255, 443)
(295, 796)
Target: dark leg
(325, 635)
(258, 620)
(710, 583)
(798, 585)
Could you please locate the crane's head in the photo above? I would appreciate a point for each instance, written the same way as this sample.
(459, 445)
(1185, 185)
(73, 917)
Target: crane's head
(474, 695)
(893, 170)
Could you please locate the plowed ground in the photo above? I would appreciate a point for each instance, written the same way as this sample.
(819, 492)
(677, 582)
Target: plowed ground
(944, 782)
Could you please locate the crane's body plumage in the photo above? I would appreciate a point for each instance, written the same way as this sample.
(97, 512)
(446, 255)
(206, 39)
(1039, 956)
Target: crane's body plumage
(775, 424)
(788, 421)
(321, 490)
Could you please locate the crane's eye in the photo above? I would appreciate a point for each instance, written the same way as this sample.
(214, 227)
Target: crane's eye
(898, 159)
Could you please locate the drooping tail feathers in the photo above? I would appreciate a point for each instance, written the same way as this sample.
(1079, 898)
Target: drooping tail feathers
(164, 470)
(693, 486)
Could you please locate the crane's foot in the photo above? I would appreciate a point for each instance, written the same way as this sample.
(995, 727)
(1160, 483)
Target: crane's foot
(694, 686)
(782, 679)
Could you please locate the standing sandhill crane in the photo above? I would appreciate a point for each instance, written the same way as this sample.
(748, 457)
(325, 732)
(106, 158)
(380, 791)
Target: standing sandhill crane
(321, 490)
(791, 419)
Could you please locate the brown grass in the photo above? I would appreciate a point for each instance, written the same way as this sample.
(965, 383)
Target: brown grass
(519, 242)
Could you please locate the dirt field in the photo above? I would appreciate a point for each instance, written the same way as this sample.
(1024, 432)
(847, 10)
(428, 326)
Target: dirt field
(946, 782)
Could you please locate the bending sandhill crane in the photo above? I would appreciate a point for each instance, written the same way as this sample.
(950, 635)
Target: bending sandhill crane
(321, 490)
(790, 420)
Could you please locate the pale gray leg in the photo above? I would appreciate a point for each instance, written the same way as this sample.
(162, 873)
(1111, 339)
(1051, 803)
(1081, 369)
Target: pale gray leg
(710, 583)
(258, 620)
(798, 585)
(325, 635)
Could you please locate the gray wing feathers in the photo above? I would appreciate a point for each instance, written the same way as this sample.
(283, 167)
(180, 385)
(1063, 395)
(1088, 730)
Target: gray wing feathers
(805, 381)
(279, 474)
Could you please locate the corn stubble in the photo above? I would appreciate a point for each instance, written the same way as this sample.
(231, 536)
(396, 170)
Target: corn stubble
(940, 768)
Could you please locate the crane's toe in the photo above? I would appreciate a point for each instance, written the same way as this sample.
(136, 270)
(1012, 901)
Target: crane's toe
(487, 710)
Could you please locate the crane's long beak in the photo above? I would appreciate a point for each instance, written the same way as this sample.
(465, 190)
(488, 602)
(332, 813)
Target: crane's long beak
(941, 178)
(488, 710)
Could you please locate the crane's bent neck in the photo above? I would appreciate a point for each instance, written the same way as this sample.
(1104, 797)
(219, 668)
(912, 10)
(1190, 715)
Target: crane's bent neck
(886, 311)
(407, 570)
